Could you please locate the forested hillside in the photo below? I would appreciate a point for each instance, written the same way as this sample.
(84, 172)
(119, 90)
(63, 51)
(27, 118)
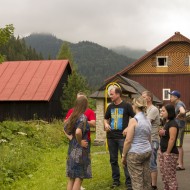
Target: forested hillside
(16, 49)
(95, 62)
(129, 52)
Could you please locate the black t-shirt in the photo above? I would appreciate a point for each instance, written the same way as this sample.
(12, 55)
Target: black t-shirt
(119, 119)
(165, 139)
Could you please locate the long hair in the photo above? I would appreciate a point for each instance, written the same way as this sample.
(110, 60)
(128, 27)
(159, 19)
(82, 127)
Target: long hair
(80, 107)
(171, 111)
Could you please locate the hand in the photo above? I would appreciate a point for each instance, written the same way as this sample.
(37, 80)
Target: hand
(162, 132)
(70, 137)
(84, 143)
(124, 161)
(107, 127)
(125, 132)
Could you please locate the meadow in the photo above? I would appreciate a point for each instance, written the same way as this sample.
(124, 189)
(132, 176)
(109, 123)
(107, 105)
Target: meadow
(33, 156)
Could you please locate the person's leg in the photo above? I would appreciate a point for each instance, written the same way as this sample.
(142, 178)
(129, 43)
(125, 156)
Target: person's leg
(179, 145)
(146, 171)
(77, 184)
(153, 164)
(113, 150)
(70, 184)
(127, 176)
(162, 170)
(135, 168)
(170, 171)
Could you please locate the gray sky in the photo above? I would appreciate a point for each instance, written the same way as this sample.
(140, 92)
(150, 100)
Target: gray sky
(133, 23)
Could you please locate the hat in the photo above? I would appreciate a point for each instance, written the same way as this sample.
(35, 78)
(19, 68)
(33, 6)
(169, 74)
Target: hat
(175, 93)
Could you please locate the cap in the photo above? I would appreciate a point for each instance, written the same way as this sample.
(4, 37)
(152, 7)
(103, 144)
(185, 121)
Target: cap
(175, 93)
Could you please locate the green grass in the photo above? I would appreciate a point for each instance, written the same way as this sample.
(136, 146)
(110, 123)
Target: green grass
(50, 174)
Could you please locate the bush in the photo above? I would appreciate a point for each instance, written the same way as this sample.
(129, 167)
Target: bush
(21, 146)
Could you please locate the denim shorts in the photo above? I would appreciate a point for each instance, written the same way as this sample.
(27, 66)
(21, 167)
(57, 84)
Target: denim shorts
(153, 158)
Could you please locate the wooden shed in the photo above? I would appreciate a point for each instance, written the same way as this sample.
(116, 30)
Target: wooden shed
(32, 89)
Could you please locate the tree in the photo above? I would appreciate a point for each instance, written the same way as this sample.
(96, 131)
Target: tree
(5, 35)
(76, 82)
(65, 53)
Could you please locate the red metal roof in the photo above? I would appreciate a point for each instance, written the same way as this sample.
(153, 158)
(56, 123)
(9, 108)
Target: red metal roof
(177, 37)
(30, 80)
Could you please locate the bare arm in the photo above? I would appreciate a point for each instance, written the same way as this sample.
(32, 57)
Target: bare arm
(129, 137)
(107, 125)
(173, 133)
(68, 136)
(92, 123)
(78, 134)
(181, 112)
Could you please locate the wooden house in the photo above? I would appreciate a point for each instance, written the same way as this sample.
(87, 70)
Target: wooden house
(32, 89)
(165, 68)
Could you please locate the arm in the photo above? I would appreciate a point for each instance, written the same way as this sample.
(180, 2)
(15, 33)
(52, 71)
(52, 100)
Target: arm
(92, 123)
(68, 136)
(181, 112)
(107, 125)
(128, 139)
(173, 133)
(78, 134)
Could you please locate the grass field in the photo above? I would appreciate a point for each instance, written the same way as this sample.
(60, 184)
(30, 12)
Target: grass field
(50, 174)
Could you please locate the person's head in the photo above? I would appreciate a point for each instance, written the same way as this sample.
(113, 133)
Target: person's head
(81, 104)
(115, 94)
(148, 96)
(81, 94)
(174, 96)
(139, 104)
(168, 112)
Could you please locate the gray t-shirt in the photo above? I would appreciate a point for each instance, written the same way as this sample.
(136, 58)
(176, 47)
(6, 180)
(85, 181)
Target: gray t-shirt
(154, 116)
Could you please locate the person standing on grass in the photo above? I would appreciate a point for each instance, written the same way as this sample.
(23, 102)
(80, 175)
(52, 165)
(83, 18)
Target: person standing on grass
(168, 155)
(180, 119)
(91, 118)
(115, 121)
(137, 147)
(76, 129)
(153, 115)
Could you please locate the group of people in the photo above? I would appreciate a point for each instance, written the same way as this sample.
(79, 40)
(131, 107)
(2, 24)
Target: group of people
(134, 131)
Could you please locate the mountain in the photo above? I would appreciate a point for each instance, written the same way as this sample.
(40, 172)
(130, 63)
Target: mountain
(95, 62)
(129, 52)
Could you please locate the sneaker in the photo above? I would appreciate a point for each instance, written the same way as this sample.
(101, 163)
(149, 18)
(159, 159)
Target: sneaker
(115, 184)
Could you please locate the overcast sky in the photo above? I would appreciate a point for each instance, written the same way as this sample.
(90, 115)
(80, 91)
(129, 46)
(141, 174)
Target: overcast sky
(140, 24)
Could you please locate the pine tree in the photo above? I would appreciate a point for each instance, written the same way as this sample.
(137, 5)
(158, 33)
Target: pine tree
(5, 34)
(76, 82)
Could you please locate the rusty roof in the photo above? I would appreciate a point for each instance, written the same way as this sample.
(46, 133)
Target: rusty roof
(30, 80)
(177, 37)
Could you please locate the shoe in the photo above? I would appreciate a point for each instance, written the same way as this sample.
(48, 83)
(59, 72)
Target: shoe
(178, 168)
(154, 188)
(115, 184)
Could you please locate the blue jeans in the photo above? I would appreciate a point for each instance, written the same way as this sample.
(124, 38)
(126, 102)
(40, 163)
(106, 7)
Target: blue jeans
(114, 146)
(153, 158)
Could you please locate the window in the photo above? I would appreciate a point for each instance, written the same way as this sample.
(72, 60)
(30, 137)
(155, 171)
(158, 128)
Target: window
(166, 95)
(162, 61)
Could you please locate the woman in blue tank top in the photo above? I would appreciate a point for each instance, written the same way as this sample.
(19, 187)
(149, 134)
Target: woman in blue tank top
(137, 147)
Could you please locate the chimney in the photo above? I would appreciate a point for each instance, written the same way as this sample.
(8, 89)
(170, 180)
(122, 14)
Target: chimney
(177, 33)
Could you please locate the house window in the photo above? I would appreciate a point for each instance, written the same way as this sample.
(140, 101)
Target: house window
(162, 61)
(166, 95)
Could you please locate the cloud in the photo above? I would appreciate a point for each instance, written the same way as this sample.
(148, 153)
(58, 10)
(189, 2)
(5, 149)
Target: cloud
(134, 23)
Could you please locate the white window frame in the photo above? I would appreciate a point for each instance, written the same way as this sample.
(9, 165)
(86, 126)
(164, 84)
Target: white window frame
(163, 93)
(166, 63)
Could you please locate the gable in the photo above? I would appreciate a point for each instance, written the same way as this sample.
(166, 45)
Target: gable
(176, 52)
